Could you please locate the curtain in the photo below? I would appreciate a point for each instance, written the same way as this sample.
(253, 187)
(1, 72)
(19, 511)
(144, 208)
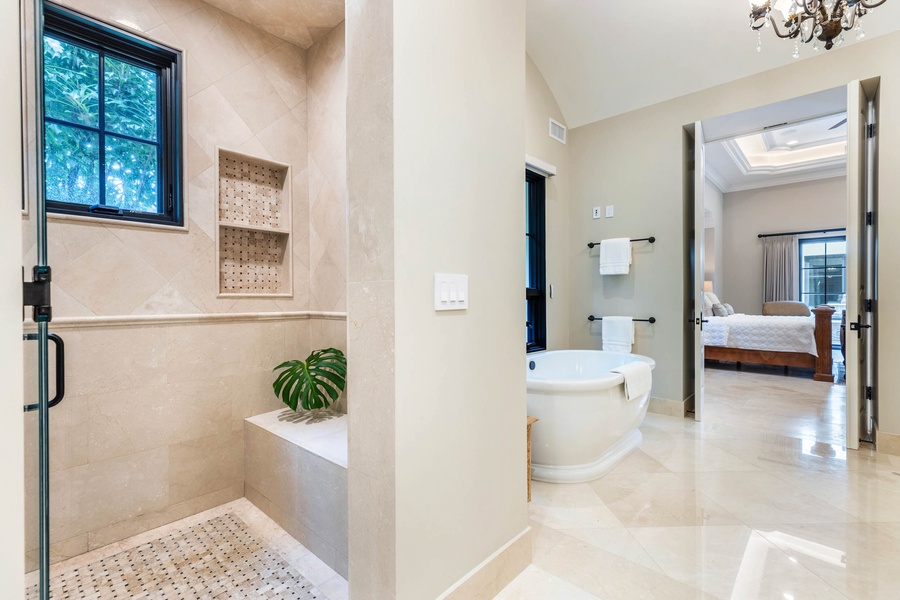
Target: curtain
(780, 268)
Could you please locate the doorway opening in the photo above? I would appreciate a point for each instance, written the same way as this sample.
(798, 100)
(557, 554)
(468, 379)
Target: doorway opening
(781, 268)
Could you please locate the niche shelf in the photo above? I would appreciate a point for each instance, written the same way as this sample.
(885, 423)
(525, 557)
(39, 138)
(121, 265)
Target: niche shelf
(253, 237)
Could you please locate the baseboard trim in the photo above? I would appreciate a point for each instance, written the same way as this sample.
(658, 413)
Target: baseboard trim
(495, 572)
(188, 319)
(669, 408)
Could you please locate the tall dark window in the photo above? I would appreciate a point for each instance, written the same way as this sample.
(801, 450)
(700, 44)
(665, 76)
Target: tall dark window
(535, 263)
(823, 271)
(112, 122)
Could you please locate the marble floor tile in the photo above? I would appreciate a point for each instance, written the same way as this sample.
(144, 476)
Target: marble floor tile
(537, 584)
(762, 498)
(618, 541)
(858, 559)
(730, 562)
(609, 576)
(867, 496)
(659, 500)
(568, 517)
(694, 455)
(638, 462)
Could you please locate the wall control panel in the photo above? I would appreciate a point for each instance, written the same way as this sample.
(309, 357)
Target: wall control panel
(451, 292)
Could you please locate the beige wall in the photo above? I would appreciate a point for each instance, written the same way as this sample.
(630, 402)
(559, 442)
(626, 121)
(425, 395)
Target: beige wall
(637, 157)
(540, 107)
(437, 437)
(459, 144)
(12, 566)
(795, 207)
(155, 401)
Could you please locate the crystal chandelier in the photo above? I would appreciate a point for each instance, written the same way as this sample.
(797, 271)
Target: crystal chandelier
(806, 21)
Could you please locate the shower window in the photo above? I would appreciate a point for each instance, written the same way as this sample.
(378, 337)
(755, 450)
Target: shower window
(535, 263)
(112, 134)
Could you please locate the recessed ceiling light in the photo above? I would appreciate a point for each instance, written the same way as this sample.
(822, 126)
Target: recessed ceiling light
(793, 142)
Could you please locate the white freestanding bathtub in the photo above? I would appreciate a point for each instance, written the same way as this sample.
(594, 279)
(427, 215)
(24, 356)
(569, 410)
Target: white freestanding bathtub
(586, 423)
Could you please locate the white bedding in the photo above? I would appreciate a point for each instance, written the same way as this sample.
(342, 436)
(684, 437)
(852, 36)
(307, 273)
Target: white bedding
(758, 332)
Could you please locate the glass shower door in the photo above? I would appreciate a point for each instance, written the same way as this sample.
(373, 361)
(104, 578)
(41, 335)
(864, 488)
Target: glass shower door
(36, 296)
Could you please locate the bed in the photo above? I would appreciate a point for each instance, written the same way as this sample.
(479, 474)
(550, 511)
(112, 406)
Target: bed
(783, 337)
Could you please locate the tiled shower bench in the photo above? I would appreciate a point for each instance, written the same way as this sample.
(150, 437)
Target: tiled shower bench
(295, 471)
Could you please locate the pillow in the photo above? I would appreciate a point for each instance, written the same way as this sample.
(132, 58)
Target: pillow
(729, 309)
(786, 309)
(719, 310)
(713, 299)
(707, 304)
(707, 312)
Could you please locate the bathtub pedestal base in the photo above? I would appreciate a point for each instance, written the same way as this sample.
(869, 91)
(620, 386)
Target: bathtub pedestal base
(590, 471)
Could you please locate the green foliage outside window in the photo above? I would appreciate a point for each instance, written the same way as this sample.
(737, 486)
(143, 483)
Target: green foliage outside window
(126, 173)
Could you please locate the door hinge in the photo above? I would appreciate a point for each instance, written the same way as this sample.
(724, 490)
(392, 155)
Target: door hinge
(868, 305)
(870, 218)
(36, 293)
(868, 392)
(870, 131)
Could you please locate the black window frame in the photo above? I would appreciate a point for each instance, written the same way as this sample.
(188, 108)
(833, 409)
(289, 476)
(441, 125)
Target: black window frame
(821, 240)
(536, 254)
(84, 31)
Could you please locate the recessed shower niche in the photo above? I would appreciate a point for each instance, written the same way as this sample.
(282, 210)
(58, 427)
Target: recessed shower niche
(253, 244)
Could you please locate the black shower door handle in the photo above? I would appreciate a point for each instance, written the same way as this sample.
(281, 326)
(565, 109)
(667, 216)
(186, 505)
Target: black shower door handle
(60, 370)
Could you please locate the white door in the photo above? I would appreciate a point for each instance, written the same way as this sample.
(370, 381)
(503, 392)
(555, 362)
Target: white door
(699, 185)
(859, 274)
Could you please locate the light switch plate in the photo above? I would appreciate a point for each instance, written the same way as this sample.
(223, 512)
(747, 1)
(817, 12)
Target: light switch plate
(596, 212)
(451, 292)
(610, 211)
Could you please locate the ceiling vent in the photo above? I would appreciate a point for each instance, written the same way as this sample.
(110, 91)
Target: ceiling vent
(558, 131)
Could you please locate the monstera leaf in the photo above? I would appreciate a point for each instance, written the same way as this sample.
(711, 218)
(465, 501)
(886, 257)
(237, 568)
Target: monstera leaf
(312, 384)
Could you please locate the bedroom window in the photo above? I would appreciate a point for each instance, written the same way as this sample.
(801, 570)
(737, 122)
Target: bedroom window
(112, 122)
(535, 263)
(823, 272)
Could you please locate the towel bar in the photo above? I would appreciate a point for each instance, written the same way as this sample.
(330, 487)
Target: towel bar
(651, 320)
(650, 239)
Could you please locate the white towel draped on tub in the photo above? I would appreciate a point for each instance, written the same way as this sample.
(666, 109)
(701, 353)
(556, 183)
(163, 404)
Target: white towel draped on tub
(615, 256)
(618, 334)
(638, 378)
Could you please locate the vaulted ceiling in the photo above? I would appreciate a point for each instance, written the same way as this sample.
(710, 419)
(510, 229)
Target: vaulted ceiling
(301, 22)
(603, 58)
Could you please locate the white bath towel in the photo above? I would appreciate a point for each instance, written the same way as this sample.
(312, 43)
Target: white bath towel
(638, 378)
(615, 256)
(618, 334)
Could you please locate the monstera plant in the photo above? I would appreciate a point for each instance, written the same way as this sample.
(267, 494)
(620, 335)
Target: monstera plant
(313, 384)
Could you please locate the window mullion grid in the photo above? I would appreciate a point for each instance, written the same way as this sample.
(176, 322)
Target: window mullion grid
(102, 106)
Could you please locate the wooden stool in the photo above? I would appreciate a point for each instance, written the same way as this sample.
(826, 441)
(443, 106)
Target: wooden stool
(531, 421)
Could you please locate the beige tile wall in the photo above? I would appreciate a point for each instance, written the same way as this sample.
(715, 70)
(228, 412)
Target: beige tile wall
(371, 316)
(327, 108)
(151, 429)
(245, 90)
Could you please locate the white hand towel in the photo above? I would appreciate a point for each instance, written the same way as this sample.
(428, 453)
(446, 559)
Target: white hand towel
(618, 334)
(615, 256)
(638, 378)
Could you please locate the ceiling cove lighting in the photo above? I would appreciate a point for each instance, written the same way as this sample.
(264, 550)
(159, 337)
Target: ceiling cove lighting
(806, 21)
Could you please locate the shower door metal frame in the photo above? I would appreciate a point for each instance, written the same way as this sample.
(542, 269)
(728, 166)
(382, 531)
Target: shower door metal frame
(37, 294)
